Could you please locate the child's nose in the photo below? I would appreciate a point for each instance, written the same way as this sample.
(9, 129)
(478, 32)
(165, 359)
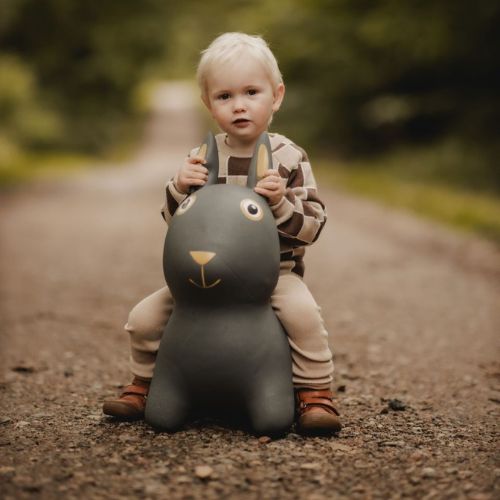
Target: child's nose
(239, 104)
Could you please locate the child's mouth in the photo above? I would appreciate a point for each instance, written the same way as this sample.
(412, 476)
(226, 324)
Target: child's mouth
(241, 121)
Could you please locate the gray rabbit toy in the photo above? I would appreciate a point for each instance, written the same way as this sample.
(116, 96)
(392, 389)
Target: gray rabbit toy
(223, 347)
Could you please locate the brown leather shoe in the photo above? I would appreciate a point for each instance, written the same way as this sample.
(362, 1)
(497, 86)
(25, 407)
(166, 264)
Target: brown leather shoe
(316, 413)
(131, 403)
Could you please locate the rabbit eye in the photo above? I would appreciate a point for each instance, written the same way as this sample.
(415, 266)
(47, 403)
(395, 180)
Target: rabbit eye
(186, 205)
(251, 209)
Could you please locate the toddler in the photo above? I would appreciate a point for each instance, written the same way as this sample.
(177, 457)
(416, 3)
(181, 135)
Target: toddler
(242, 87)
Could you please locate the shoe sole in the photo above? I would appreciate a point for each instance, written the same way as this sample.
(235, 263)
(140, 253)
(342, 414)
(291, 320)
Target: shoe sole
(319, 425)
(121, 410)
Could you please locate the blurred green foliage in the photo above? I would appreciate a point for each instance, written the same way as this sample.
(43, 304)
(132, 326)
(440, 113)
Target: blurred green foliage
(363, 78)
(24, 119)
(368, 77)
(82, 61)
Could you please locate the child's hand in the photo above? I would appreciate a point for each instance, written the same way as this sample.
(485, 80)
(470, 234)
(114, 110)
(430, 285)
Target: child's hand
(272, 186)
(192, 173)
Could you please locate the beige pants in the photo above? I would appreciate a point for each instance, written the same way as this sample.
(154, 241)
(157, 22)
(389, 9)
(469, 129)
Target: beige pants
(294, 306)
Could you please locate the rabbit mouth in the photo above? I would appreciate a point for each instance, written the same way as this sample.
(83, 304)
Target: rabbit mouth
(203, 281)
(202, 258)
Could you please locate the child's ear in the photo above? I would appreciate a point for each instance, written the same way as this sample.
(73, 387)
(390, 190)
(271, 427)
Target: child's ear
(279, 94)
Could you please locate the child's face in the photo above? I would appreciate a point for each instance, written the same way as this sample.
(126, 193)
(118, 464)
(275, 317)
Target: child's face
(242, 99)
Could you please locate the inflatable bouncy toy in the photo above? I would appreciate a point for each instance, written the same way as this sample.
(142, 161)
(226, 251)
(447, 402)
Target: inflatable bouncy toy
(223, 349)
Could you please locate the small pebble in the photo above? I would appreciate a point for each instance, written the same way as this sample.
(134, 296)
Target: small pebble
(264, 439)
(340, 447)
(7, 471)
(310, 466)
(417, 456)
(23, 369)
(396, 405)
(203, 471)
(428, 472)
(394, 444)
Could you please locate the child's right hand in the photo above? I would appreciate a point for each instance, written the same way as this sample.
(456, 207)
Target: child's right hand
(192, 173)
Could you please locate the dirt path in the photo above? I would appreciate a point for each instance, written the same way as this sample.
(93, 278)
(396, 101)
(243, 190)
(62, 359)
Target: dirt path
(413, 311)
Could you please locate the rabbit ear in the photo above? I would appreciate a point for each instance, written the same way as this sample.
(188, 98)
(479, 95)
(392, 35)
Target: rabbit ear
(262, 160)
(208, 150)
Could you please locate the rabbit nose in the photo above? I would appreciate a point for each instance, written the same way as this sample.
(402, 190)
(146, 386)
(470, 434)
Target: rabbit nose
(202, 258)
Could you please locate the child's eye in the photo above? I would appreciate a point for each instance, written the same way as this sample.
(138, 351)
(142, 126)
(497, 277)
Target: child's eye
(252, 92)
(224, 96)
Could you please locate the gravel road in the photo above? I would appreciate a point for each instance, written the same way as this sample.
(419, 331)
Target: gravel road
(413, 310)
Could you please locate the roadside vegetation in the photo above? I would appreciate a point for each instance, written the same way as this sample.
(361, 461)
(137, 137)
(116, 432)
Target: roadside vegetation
(470, 210)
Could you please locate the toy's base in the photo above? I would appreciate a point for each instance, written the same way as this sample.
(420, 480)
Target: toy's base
(264, 419)
(231, 422)
(214, 369)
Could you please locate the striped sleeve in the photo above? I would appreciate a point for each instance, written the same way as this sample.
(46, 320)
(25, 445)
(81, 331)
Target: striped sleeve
(173, 197)
(300, 215)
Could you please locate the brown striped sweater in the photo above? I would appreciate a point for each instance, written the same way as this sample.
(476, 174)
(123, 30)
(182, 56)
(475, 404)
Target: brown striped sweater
(300, 215)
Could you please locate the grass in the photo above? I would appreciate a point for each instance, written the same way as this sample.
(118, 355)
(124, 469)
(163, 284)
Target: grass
(468, 210)
(30, 166)
(34, 166)
(24, 166)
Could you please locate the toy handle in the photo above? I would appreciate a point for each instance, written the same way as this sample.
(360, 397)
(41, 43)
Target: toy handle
(208, 151)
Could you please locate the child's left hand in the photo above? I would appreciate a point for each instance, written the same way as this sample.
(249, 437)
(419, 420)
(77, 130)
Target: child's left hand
(272, 186)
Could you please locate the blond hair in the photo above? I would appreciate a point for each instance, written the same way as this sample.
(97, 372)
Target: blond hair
(228, 48)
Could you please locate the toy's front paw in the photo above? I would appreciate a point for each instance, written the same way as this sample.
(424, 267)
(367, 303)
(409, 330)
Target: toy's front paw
(166, 407)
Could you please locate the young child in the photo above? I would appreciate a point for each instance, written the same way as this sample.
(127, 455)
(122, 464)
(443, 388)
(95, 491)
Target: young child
(241, 85)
